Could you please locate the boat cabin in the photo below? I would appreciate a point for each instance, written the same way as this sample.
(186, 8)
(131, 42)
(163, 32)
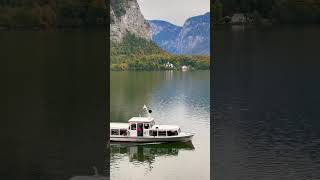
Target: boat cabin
(144, 129)
(140, 126)
(143, 126)
(164, 130)
(119, 129)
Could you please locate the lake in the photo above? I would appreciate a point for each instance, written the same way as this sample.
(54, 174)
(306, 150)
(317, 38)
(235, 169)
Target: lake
(181, 98)
(266, 103)
(56, 94)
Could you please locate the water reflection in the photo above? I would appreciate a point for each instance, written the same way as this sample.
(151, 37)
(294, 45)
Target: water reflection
(56, 104)
(148, 152)
(177, 98)
(129, 91)
(95, 176)
(169, 75)
(265, 102)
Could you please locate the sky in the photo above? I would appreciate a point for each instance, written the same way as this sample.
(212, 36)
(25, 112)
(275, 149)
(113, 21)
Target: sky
(173, 11)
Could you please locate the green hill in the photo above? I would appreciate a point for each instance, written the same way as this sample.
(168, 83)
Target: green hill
(52, 13)
(282, 11)
(135, 53)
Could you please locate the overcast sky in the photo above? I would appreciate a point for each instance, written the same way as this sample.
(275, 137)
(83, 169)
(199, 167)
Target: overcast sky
(174, 11)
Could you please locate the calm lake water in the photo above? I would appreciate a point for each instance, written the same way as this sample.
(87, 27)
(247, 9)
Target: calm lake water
(57, 104)
(181, 98)
(266, 104)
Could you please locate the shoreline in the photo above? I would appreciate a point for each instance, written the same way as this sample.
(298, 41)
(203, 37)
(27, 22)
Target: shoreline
(56, 28)
(173, 70)
(237, 27)
(275, 24)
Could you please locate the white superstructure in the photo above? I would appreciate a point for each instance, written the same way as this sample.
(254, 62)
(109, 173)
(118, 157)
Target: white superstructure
(144, 129)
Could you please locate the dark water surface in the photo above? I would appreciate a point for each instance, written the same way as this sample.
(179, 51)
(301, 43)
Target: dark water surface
(266, 104)
(176, 98)
(57, 104)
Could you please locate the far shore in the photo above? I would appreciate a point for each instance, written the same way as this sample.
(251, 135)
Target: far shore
(255, 26)
(36, 28)
(193, 70)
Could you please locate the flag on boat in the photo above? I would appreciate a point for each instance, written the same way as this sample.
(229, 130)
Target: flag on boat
(145, 107)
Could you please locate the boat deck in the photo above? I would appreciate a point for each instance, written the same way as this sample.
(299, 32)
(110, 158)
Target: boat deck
(119, 125)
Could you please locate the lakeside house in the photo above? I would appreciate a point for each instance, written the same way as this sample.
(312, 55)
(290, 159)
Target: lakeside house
(169, 65)
(238, 18)
(184, 68)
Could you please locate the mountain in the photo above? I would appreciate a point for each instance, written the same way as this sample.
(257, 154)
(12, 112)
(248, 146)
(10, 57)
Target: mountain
(130, 33)
(130, 36)
(125, 16)
(132, 47)
(165, 34)
(193, 38)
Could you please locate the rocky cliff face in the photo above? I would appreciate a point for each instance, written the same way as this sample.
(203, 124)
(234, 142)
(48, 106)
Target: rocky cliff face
(126, 17)
(192, 38)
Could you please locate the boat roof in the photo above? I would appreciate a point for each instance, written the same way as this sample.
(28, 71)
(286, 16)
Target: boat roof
(165, 127)
(119, 125)
(141, 119)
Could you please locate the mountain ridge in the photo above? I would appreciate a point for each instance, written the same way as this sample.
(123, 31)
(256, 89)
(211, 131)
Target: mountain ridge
(164, 34)
(192, 38)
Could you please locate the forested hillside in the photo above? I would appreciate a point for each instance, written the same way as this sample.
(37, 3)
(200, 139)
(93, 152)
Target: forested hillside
(136, 53)
(52, 13)
(282, 11)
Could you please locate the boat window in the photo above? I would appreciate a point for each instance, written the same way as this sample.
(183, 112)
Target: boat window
(114, 131)
(172, 133)
(133, 126)
(162, 133)
(152, 133)
(123, 132)
(146, 126)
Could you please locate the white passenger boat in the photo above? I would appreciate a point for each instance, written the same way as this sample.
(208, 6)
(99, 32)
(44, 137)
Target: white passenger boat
(144, 129)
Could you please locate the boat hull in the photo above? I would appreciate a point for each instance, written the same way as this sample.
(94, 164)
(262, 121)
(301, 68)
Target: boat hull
(183, 138)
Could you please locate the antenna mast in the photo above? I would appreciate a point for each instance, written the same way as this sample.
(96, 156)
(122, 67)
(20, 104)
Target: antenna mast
(147, 111)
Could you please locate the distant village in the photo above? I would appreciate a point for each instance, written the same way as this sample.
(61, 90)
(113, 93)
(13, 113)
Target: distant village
(170, 66)
(240, 19)
(266, 12)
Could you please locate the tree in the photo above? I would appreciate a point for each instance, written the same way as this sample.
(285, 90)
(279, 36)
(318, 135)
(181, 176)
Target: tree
(217, 12)
(97, 12)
